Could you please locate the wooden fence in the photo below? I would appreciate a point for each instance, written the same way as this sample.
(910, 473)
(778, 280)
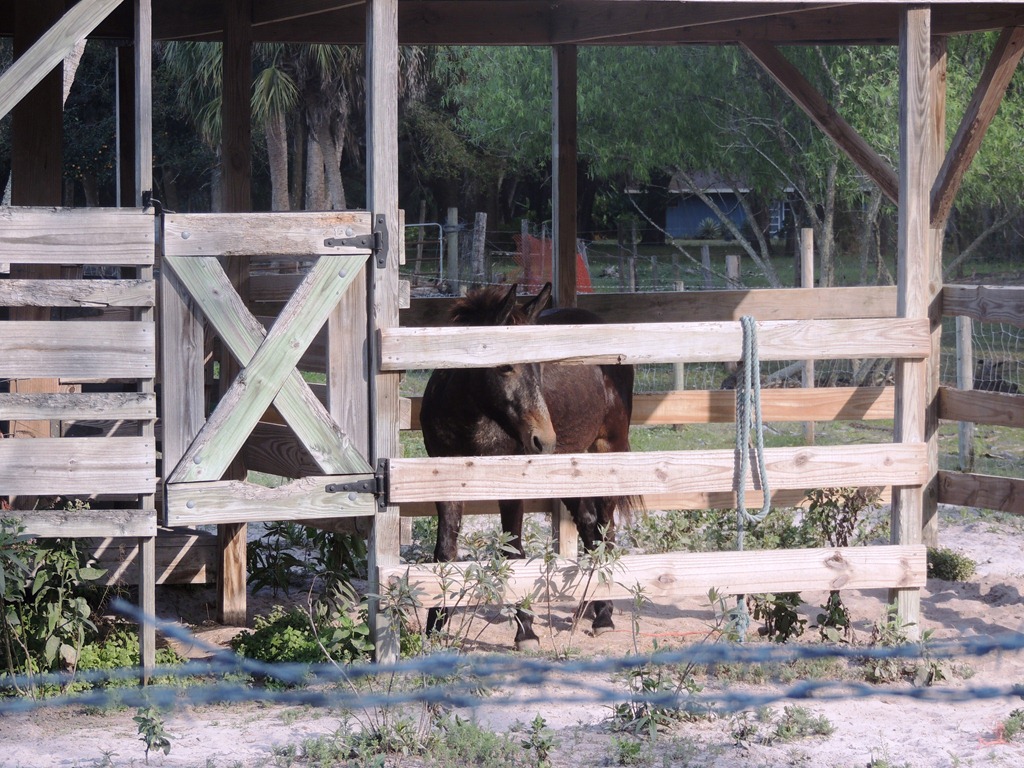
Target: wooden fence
(79, 350)
(793, 324)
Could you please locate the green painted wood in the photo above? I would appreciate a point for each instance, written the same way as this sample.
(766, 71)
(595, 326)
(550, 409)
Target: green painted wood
(329, 446)
(271, 366)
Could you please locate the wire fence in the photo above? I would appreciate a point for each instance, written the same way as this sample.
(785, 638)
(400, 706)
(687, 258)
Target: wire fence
(466, 680)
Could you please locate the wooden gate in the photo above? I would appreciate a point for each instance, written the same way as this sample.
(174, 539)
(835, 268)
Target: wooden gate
(198, 453)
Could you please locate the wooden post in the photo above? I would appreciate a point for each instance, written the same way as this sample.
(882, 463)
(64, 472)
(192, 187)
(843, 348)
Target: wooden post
(418, 268)
(236, 160)
(965, 380)
(479, 238)
(564, 62)
(563, 164)
(914, 293)
(678, 369)
(451, 234)
(806, 280)
(705, 266)
(732, 270)
(382, 199)
(141, 165)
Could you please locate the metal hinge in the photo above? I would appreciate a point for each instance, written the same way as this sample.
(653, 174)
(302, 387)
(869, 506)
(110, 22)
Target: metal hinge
(377, 484)
(376, 241)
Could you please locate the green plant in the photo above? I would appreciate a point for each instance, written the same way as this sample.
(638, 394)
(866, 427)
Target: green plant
(834, 623)
(627, 751)
(151, 731)
(709, 229)
(891, 632)
(781, 620)
(945, 564)
(538, 740)
(46, 617)
(1013, 725)
(798, 723)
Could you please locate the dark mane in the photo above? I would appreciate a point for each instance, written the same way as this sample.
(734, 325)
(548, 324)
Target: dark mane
(481, 305)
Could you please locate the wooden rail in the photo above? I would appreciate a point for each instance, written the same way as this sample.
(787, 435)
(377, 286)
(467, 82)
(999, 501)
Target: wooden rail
(692, 574)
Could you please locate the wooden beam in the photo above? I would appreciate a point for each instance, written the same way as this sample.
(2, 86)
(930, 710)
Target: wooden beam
(690, 574)
(985, 303)
(605, 22)
(71, 466)
(697, 306)
(77, 349)
(825, 117)
(626, 474)
(914, 271)
(785, 497)
(382, 200)
(981, 407)
(76, 236)
(52, 47)
(988, 95)
(65, 524)
(77, 293)
(1003, 494)
(473, 347)
(232, 501)
(564, 71)
(719, 406)
(69, 407)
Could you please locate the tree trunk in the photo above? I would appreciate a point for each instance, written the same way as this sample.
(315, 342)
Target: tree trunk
(316, 195)
(331, 149)
(277, 157)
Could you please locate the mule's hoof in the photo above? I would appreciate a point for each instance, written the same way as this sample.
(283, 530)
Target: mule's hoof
(528, 644)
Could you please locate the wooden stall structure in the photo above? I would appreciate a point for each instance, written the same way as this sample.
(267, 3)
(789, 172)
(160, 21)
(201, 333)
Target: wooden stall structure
(205, 281)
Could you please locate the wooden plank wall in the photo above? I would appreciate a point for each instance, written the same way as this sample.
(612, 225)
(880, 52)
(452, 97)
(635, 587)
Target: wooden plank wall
(102, 449)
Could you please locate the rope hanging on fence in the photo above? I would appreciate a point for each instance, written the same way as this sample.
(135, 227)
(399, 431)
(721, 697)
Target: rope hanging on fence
(748, 416)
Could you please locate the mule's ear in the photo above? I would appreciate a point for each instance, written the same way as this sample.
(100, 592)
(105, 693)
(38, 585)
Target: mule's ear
(537, 304)
(507, 306)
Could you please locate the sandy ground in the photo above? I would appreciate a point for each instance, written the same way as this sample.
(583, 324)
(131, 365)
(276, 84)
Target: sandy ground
(880, 730)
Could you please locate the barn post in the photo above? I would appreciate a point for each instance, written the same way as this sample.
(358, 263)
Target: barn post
(236, 169)
(917, 292)
(138, 145)
(563, 168)
(382, 200)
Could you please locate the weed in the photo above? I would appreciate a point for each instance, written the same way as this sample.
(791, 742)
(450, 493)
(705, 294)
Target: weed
(151, 731)
(768, 727)
(538, 740)
(1013, 725)
(627, 751)
(45, 617)
(834, 624)
(781, 620)
(945, 564)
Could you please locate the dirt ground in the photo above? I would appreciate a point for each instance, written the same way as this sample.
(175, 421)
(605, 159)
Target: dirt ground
(878, 730)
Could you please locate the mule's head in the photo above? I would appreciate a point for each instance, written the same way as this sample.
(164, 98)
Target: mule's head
(512, 396)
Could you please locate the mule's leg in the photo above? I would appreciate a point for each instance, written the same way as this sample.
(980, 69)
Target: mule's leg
(590, 515)
(512, 522)
(446, 549)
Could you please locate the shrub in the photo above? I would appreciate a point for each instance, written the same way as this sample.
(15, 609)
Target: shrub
(948, 565)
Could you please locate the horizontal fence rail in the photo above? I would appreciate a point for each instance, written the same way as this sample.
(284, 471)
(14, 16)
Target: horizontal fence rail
(625, 474)
(475, 347)
(688, 574)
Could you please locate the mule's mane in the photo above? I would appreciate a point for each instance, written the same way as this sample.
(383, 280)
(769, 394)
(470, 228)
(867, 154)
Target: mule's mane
(481, 305)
